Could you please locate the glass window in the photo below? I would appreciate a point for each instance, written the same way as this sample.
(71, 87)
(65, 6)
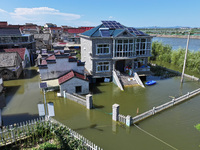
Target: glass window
(103, 66)
(103, 49)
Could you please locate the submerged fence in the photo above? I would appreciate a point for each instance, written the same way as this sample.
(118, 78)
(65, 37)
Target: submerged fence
(85, 101)
(12, 133)
(154, 110)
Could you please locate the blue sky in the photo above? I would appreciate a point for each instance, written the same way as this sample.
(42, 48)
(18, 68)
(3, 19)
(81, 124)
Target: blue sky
(134, 13)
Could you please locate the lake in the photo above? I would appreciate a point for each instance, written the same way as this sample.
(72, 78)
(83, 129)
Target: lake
(176, 43)
(174, 126)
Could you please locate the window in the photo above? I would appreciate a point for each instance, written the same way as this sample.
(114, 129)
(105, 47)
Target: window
(103, 49)
(78, 89)
(103, 66)
(124, 48)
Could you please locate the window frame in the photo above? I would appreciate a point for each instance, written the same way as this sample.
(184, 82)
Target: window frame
(97, 47)
(103, 70)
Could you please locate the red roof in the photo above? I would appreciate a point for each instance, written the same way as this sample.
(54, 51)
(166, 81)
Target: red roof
(55, 28)
(44, 62)
(69, 76)
(52, 57)
(58, 53)
(20, 51)
(77, 30)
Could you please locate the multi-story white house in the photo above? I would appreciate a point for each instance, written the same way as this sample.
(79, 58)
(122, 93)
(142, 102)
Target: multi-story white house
(112, 46)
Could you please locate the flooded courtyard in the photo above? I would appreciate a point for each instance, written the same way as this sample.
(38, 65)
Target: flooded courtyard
(174, 126)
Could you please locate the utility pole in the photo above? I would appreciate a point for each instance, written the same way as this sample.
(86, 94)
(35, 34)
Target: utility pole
(185, 57)
(45, 103)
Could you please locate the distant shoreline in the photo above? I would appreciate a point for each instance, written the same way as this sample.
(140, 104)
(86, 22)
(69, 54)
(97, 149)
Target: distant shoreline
(175, 36)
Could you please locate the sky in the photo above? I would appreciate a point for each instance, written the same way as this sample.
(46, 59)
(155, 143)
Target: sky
(131, 13)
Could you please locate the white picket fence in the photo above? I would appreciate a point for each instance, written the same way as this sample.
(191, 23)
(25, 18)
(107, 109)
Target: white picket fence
(12, 133)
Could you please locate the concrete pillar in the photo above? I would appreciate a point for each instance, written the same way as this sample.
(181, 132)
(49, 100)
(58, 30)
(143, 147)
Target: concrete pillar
(114, 126)
(89, 103)
(128, 120)
(115, 112)
(64, 94)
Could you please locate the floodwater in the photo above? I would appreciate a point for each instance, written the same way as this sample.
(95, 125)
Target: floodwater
(176, 43)
(173, 128)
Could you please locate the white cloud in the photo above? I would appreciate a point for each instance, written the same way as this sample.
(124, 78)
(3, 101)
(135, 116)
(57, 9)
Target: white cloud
(2, 11)
(111, 17)
(39, 15)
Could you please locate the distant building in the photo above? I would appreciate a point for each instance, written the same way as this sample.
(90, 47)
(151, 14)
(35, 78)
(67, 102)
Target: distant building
(30, 29)
(56, 33)
(13, 38)
(49, 25)
(113, 46)
(10, 66)
(43, 41)
(72, 34)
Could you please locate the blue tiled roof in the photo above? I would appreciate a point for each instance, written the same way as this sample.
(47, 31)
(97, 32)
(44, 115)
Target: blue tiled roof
(95, 32)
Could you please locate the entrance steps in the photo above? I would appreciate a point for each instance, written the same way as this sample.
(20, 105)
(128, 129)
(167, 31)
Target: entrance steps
(124, 80)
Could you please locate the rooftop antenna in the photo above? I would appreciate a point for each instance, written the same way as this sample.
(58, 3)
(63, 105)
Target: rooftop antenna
(185, 57)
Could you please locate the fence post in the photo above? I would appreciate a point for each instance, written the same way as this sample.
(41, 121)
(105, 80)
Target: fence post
(115, 112)
(188, 94)
(128, 120)
(89, 103)
(173, 100)
(153, 111)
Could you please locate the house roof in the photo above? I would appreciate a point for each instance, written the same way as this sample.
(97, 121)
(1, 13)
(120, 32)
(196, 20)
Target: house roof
(9, 31)
(44, 62)
(70, 75)
(55, 28)
(52, 57)
(112, 30)
(43, 36)
(20, 51)
(8, 59)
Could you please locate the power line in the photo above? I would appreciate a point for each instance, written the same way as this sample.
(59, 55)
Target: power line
(155, 137)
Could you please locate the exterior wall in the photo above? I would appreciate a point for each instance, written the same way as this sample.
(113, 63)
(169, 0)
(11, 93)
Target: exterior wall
(70, 86)
(102, 74)
(26, 59)
(95, 42)
(86, 51)
(61, 65)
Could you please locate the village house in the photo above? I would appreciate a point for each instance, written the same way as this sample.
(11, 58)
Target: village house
(24, 54)
(10, 66)
(73, 82)
(112, 46)
(62, 71)
(72, 34)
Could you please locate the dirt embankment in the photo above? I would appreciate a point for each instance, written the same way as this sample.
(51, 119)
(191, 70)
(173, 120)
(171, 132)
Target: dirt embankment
(176, 36)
